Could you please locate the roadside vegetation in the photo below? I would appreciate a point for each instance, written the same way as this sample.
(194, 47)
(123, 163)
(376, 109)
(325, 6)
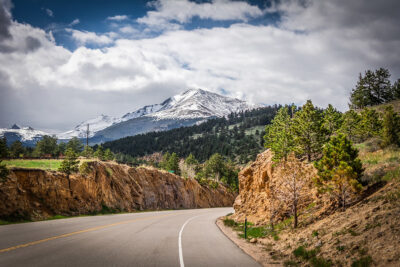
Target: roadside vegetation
(356, 155)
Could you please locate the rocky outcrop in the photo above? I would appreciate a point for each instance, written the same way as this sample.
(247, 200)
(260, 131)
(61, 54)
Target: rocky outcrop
(258, 184)
(37, 194)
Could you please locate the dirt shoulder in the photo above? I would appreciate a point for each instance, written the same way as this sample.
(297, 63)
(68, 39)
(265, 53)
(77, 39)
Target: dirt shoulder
(257, 251)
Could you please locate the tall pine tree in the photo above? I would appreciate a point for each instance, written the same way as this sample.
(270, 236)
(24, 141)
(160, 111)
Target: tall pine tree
(307, 130)
(278, 135)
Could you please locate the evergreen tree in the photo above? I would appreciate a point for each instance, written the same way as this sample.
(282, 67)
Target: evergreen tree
(47, 146)
(391, 127)
(351, 125)
(396, 90)
(215, 166)
(191, 160)
(61, 148)
(69, 164)
(344, 183)
(278, 135)
(17, 150)
(99, 153)
(173, 163)
(339, 161)
(75, 144)
(108, 155)
(370, 124)
(373, 88)
(332, 120)
(164, 161)
(307, 131)
(87, 152)
(4, 153)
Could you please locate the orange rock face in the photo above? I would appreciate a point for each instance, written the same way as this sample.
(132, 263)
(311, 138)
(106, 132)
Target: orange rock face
(257, 184)
(37, 194)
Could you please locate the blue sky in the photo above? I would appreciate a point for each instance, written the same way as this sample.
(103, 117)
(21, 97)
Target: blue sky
(58, 15)
(63, 62)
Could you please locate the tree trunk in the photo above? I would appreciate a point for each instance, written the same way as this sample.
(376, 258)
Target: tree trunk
(295, 216)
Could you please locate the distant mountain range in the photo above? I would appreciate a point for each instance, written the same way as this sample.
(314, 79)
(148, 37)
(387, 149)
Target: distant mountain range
(186, 109)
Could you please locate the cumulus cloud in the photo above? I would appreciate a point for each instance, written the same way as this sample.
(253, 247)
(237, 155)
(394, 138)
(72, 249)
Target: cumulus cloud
(118, 17)
(5, 19)
(295, 60)
(168, 12)
(86, 37)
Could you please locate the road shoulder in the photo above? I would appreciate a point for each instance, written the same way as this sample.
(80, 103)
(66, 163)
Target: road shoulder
(254, 250)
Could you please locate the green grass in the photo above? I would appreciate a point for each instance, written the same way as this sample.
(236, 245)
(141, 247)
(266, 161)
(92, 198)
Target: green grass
(44, 164)
(311, 256)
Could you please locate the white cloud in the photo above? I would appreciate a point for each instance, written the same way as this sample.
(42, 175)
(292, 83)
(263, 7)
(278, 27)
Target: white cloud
(49, 12)
(85, 37)
(118, 17)
(168, 12)
(53, 87)
(74, 22)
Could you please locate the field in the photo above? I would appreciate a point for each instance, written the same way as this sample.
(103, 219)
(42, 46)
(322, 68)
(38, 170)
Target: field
(45, 164)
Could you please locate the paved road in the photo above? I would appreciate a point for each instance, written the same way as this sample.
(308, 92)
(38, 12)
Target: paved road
(164, 238)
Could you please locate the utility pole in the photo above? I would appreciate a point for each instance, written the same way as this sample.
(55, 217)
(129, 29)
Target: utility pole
(87, 135)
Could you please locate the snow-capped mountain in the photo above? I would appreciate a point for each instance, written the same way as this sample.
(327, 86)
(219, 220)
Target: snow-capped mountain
(185, 109)
(198, 103)
(97, 124)
(27, 135)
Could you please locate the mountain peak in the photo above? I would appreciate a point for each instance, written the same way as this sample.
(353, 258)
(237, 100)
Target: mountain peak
(15, 127)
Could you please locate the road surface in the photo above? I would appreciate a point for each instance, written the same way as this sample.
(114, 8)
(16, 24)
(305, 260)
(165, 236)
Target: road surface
(163, 238)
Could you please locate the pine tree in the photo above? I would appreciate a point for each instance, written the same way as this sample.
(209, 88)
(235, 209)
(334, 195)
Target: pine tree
(339, 169)
(278, 135)
(17, 150)
(391, 127)
(215, 166)
(370, 124)
(4, 153)
(344, 183)
(191, 160)
(351, 125)
(332, 120)
(396, 90)
(108, 155)
(69, 164)
(173, 163)
(75, 144)
(307, 130)
(47, 146)
(87, 152)
(372, 89)
(99, 153)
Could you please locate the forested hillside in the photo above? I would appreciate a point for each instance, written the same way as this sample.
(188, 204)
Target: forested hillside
(238, 137)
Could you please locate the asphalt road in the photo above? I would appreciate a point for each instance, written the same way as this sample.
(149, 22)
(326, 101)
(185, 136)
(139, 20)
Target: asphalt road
(164, 238)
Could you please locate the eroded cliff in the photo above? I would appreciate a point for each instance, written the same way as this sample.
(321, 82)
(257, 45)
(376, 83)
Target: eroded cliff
(37, 194)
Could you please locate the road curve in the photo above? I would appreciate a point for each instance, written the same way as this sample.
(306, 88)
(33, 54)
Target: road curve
(163, 238)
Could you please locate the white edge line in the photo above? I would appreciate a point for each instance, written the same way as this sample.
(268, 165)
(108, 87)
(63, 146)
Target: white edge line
(180, 241)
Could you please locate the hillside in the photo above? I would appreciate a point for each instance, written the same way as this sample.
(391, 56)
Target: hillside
(32, 194)
(238, 137)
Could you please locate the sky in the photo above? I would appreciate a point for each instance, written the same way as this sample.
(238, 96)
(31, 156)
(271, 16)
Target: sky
(63, 62)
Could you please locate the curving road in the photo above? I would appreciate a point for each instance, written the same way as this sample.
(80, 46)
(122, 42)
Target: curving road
(164, 238)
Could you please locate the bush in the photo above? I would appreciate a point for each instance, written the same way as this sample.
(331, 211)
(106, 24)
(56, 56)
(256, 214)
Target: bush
(302, 252)
(230, 222)
(84, 168)
(320, 262)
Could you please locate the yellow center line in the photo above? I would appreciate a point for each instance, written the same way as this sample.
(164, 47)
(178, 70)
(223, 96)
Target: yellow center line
(79, 232)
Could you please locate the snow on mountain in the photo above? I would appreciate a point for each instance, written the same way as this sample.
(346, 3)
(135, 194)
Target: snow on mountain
(198, 103)
(185, 109)
(23, 133)
(96, 124)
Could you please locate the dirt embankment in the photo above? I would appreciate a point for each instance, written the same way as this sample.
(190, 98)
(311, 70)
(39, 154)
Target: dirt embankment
(367, 233)
(37, 194)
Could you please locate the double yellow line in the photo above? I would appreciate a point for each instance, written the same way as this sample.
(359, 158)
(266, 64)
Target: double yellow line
(79, 232)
